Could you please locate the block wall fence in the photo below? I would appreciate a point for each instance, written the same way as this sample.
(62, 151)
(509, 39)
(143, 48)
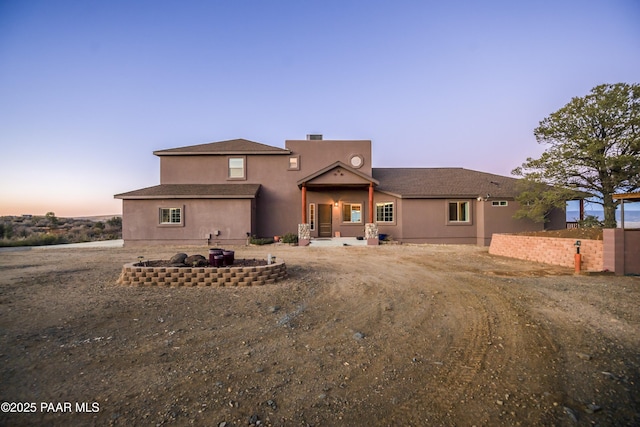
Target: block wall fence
(622, 250)
(549, 250)
(202, 276)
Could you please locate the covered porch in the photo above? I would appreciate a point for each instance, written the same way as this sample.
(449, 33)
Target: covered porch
(337, 202)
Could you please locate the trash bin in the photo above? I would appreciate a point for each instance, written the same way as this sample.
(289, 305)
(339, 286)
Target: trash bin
(229, 257)
(212, 254)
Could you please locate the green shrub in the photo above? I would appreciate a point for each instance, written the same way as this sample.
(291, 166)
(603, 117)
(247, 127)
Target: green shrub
(290, 238)
(261, 241)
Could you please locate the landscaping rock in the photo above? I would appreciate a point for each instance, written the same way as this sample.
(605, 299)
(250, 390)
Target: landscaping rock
(178, 258)
(196, 260)
(571, 414)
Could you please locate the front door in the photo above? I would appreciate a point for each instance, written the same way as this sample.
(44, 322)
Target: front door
(324, 220)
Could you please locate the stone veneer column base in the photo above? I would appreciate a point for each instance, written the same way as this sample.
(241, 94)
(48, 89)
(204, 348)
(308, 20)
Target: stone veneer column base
(304, 234)
(371, 233)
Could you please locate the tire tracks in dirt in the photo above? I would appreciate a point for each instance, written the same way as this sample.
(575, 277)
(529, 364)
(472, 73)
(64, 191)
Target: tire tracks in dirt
(489, 338)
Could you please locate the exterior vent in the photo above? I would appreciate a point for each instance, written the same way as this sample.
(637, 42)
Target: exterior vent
(314, 137)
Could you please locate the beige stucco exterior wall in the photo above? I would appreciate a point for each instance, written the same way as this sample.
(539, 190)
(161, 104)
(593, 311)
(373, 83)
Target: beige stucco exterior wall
(393, 230)
(425, 221)
(277, 204)
(201, 217)
(499, 219)
(315, 155)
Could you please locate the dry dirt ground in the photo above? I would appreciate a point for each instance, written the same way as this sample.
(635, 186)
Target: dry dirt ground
(377, 336)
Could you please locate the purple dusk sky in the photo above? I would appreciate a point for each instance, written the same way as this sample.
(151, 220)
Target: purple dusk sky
(89, 89)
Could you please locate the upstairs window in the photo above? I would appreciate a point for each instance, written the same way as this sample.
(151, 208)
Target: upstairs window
(294, 163)
(352, 212)
(236, 168)
(499, 203)
(384, 212)
(458, 211)
(171, 216)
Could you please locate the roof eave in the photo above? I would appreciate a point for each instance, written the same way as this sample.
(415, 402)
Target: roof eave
(179, 196)
(221, 153)
(452, 196)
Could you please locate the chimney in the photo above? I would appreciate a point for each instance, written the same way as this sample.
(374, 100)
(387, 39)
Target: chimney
(314, 137)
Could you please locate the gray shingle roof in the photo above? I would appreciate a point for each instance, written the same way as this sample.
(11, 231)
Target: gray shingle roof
(443, 182)
(233, 146)
(194, 191)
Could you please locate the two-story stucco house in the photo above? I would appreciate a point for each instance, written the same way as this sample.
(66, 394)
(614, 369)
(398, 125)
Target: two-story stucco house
(225, 191)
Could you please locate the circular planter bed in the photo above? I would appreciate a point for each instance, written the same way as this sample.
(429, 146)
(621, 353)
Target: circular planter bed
(236, 263)
(241, 273)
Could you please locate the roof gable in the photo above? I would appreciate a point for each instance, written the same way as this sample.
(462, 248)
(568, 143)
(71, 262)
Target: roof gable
(337, 173)
(232, 146)
(444, 182)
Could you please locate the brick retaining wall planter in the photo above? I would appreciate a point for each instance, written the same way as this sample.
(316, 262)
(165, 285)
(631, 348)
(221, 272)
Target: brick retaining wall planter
(202, 276)
(549, 250)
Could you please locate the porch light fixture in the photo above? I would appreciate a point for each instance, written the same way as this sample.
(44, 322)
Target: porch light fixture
(335, 204)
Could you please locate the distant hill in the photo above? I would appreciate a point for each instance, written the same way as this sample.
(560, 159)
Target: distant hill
(97, 217)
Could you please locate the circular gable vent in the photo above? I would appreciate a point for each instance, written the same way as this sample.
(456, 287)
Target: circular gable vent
(356, 161)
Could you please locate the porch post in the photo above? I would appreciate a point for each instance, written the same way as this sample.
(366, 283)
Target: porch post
(370, 202)
(304, 229)
(371, 228)
(581, 209)
(304, 203)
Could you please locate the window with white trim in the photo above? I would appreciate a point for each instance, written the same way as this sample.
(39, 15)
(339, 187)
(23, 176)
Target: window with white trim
(236, 168)
(384, 212)
(312, 216)
(352, 212)
(499, 203)
(459, 212)
(294, 163)
(171, 216)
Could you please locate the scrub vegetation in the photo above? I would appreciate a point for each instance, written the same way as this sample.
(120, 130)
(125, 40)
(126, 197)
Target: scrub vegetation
(32, 230)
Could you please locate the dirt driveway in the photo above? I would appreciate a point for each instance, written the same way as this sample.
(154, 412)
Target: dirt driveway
(390, 335)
